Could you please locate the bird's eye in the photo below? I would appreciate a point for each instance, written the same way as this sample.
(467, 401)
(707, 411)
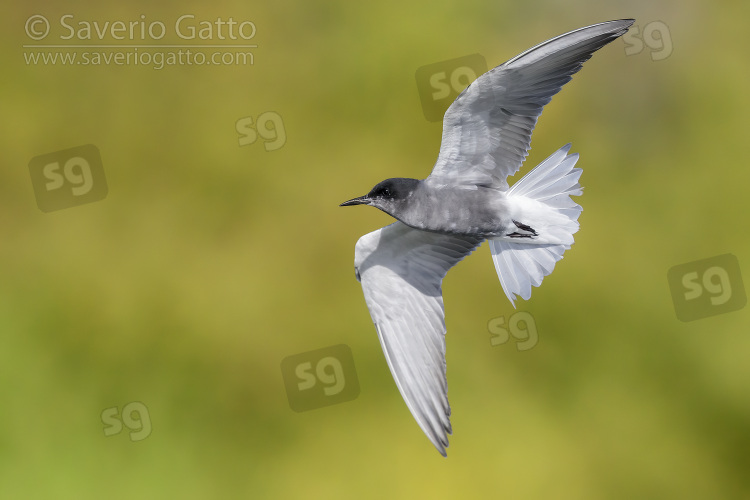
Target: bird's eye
(387, 193)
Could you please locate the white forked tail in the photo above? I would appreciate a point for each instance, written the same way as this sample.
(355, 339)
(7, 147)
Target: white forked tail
(540, 201)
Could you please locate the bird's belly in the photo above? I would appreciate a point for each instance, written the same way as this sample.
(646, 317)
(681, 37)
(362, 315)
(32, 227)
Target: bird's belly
(471, 212)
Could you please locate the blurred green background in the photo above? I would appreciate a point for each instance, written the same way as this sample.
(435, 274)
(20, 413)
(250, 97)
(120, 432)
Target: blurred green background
(209, 262)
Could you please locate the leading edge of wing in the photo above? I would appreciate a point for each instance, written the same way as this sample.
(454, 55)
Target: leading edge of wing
(611, 29)
(401, 270)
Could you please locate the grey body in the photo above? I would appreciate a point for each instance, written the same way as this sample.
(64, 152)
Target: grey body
(478, 211)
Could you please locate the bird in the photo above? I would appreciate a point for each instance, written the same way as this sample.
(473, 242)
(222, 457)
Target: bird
(465, 200)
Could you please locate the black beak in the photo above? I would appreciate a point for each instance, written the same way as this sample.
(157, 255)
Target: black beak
(362, 200)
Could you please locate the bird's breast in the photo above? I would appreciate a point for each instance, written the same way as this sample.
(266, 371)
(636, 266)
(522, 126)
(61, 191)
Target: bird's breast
(475, 212)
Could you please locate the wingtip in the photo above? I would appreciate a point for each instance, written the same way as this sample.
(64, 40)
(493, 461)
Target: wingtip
(623, 25)
(614, 28)
(440, 442)
(626, 22)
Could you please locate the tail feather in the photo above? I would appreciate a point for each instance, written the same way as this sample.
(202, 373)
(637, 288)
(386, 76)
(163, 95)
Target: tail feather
(541, 200)
(523, 265)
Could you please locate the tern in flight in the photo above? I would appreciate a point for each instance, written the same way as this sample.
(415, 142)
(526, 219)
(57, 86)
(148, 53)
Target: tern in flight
(466, 200)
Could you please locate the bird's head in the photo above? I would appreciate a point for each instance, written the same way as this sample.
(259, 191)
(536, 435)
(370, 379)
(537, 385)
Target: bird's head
(390, 196)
